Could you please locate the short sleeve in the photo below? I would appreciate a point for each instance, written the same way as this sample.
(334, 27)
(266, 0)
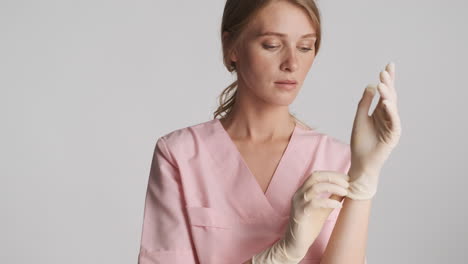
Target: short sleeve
(165, 236)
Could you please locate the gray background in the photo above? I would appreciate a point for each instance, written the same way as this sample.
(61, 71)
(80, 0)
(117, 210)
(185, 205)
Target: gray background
(87, 87)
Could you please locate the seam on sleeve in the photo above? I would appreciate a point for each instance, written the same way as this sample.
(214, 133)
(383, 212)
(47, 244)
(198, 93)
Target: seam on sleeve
(167, 153)
(167, 251)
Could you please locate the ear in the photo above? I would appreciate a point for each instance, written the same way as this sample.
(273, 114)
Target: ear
(233, 55)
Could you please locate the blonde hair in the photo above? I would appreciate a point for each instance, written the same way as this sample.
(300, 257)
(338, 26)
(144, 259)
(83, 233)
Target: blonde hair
(236, 16)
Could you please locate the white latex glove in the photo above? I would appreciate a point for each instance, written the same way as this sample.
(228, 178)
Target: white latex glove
(373, 137)
(310, 209)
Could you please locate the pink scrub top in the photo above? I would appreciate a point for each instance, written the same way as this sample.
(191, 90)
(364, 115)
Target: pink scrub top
(203, 204)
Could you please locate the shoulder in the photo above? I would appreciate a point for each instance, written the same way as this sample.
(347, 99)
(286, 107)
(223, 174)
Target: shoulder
(184, 139)
(338, 153)
(323, 139)
(338, 144)
(335, 147)
(325, 151)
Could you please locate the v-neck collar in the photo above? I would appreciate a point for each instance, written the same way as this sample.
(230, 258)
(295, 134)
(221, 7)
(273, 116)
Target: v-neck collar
(283, 184)
(284, 156)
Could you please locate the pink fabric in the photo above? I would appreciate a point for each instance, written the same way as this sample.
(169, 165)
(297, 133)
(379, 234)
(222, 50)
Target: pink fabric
(203, 205)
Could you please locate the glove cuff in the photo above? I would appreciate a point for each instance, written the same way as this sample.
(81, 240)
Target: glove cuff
(276, 254)
(363, 188)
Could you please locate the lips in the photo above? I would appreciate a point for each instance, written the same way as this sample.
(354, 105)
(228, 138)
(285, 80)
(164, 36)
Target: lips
(286, 82)
(288, 85)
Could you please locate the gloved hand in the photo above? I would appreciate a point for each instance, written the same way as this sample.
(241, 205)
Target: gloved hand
(373, 137)
(310, 208)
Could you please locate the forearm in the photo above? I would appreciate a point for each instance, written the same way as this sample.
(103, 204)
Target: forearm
(283, 252)
(348, 240)
(278, 253)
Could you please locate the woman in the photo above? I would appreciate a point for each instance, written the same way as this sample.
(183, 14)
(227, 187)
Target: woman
(254, 186)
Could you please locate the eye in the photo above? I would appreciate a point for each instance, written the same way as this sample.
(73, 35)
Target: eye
(269, 46)
(306, 49)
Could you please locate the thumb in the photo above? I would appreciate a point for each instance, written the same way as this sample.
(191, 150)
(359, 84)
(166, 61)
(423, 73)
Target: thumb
(366, 100)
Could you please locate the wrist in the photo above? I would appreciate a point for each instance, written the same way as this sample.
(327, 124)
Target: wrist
(356, 172)
(278, 253)
(363, 184)
(290, 253)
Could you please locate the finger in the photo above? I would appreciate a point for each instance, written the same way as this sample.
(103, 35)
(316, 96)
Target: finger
(380, 112)
(386, 120)
(327, 176)
(321, 203)
(333, 175)
(320, 188)
(384, 91)
(379, 117)
(336, 197)
(391, 70)
(392, 111)
(366, 101)
(386, 79)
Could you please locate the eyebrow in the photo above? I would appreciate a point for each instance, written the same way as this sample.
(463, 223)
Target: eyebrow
(269, 33)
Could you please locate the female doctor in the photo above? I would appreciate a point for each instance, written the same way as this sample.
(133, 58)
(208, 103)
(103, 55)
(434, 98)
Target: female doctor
(249, 187)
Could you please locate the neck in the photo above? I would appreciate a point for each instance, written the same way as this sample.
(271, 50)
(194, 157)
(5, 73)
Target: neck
(259, 126)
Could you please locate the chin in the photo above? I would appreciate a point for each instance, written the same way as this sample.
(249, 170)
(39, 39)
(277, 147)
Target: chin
(278, 97)
(283, 100)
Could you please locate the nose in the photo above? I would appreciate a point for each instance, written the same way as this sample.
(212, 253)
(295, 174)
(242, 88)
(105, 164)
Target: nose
(290, 62)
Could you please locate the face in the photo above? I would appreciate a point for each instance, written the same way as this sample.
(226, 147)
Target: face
(262, 60)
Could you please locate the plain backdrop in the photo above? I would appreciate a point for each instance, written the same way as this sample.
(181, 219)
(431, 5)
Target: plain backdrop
(87, 87)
